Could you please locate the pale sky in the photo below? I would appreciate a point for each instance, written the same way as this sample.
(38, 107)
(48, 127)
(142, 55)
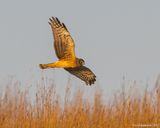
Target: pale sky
(115, 38)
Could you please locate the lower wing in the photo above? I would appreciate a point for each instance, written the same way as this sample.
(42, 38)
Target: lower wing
(83, 73)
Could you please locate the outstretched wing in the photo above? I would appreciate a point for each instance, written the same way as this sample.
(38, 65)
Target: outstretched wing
(83, 73)
(63, 42)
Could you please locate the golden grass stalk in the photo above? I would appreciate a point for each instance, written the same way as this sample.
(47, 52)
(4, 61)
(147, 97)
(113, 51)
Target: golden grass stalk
(45, 109)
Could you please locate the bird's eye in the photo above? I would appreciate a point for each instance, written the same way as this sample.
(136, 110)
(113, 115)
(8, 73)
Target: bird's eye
(81, 62)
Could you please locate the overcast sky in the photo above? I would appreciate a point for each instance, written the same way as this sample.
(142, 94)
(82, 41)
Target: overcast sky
(116, 39)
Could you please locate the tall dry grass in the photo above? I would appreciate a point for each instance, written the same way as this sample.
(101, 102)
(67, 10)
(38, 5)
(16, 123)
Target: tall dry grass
(45, 109)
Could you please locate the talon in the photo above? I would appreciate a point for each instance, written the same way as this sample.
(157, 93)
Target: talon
(41, 66)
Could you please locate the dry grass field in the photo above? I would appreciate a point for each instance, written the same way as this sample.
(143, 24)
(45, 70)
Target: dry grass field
(125, 110)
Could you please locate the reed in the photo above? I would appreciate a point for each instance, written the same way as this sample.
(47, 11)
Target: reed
(46, 109)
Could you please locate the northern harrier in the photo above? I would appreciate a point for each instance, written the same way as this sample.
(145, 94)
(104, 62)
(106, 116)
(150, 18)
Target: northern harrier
(65, 50)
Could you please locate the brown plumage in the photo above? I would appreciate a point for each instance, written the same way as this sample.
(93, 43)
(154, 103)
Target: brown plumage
(65, 50)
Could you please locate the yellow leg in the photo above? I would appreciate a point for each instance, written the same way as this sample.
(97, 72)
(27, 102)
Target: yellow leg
(58, 64)
(45, 66)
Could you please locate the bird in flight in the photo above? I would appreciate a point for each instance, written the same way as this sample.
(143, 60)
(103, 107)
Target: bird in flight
(65, 50)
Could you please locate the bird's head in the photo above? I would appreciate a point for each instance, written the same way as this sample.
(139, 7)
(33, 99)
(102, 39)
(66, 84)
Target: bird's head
(80, 62)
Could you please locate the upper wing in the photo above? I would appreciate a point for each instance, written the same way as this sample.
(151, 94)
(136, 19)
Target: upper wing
(63, 42)
(83, 73)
